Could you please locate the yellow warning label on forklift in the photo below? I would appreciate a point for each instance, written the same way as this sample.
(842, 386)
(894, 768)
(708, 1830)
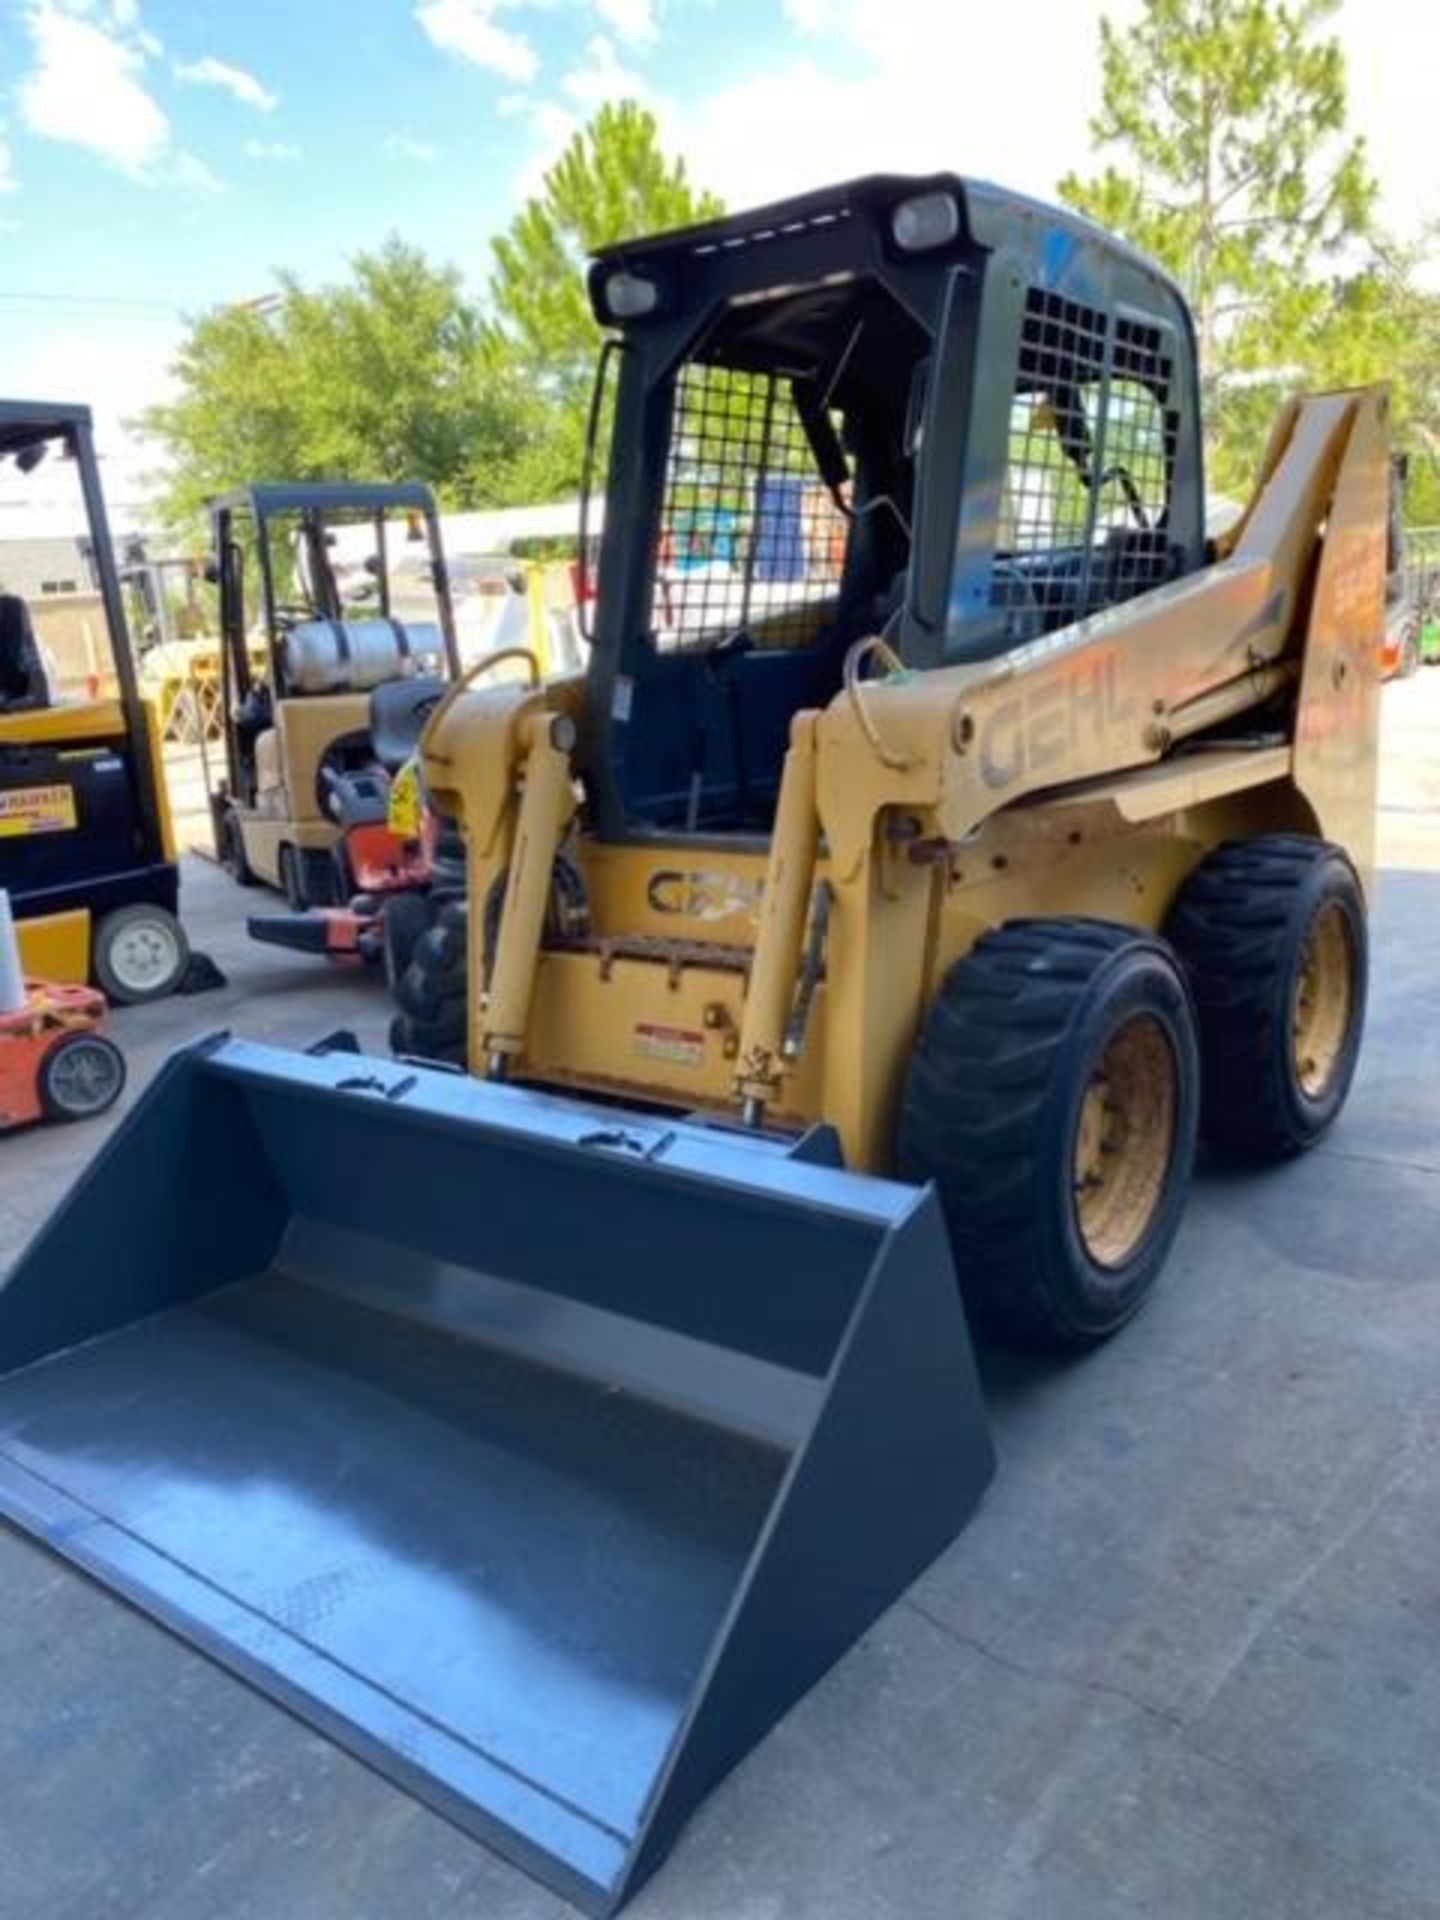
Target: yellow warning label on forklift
(36, 810)
(405, 808)
(685, 1046)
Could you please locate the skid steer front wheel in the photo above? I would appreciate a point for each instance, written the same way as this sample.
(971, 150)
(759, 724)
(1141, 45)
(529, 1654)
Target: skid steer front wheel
(1272, 933)
(1053, 1098)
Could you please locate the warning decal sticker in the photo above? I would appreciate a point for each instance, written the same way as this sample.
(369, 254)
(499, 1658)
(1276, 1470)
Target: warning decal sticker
(36, 810)
(684, 1046)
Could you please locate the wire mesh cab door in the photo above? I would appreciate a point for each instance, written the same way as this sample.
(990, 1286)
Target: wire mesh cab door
(1083, 484)
(774, 518)
(748, 560)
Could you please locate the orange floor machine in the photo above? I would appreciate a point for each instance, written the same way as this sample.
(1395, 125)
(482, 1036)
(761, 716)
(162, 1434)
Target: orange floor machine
(55, 1064)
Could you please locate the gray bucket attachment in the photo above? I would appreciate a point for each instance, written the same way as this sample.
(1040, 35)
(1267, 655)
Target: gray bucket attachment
(541, 1456)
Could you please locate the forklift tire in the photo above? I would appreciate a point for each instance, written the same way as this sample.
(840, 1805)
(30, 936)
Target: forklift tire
(232, 851)
(81, 1075)
(404, 917)
(1053, 1098)
(339, 877)
(1272, 933)
(292, 879)
(140, 953)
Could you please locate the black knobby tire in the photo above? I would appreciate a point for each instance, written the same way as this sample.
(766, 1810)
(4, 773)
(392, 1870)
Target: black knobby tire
(1001, 1095)
(1243, 925)
(436, 975)
(404, 917)
(82, 1075)
(431, 993)
(429, 1038)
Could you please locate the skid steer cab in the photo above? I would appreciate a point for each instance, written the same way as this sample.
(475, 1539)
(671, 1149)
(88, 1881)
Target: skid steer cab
(932, 777)
(306, 571)
(935, 803)
(87, 849)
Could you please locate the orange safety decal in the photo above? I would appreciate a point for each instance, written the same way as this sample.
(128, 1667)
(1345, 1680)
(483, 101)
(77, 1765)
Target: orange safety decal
(684, 1046)
(26, 810)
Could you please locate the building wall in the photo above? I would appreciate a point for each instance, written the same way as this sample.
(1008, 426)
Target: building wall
(73, 638)
(38, 568)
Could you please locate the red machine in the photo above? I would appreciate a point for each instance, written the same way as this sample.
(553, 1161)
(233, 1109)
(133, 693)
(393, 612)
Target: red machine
(55, 1064)
(392, 851)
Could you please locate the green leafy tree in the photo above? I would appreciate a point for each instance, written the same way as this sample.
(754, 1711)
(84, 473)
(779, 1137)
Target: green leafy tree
(389, 376)
(397, 372)
(1236, 173)
(1380, 322)
(612, 182)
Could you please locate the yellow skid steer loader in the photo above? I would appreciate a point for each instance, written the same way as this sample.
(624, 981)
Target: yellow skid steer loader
(941, 834)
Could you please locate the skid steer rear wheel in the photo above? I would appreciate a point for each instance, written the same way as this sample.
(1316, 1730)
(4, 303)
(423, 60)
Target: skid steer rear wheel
(404, 917)
(1272, 933)
(1053, 1097)
(431, 993)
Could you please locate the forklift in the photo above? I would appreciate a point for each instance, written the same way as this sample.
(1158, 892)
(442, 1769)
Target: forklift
(87, 847)
(304, 573)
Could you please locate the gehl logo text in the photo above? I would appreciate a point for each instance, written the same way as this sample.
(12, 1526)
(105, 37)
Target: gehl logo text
(1048, 726)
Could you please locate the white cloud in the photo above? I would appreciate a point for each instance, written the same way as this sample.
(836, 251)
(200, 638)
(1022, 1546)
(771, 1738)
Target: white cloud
(600, 76)
(127, 361)
(404, 148)
(242, 85)
(189, 170)
(811, 16)
(470, 30)
(879, 96)
(873, 87)
(603, 76)
(86, 88)
(271, 150)
(633, 20)
(509, 105)
(8, 182)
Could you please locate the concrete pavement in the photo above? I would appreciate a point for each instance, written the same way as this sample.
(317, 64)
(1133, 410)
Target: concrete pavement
(1181, 1666)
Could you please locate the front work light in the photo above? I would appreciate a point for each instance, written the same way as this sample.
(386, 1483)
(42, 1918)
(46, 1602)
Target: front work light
(629, 297)
(929, 220)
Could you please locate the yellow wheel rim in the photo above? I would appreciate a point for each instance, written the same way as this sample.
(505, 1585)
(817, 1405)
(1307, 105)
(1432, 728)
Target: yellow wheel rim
(1324, 1000)
(1125, 1140)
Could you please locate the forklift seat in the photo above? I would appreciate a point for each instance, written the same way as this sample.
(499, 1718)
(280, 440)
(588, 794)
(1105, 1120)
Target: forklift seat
(24, 683)
(398, 712)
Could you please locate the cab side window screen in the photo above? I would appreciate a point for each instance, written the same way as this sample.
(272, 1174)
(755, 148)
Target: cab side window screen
(1091, 449)
(750, 539)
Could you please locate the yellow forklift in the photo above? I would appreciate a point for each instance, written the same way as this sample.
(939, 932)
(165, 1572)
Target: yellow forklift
(306, 570)
(87, 848)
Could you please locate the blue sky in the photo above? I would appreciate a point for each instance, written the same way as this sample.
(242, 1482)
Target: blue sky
(158, 156)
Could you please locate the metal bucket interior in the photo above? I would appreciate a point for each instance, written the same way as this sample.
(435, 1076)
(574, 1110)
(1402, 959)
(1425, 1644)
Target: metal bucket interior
(542, 1459)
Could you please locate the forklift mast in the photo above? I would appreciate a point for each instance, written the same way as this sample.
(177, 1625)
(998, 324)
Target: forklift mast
(306, 510)
(26, 425)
